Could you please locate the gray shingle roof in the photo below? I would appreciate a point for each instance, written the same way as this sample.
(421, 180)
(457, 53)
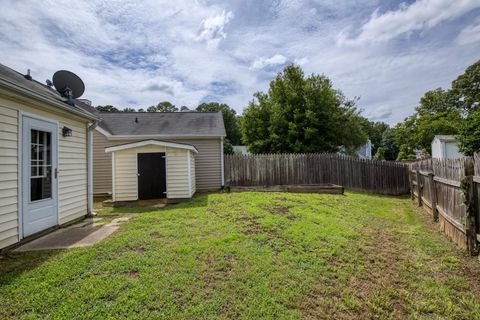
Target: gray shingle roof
(18, 80)
(176, 124)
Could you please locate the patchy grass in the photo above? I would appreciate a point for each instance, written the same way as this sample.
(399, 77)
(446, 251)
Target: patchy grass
(253, 256)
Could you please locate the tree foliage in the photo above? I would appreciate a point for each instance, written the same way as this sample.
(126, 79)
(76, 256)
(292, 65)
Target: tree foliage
(469, 133)
(466, 88)
(452, 111)
(164, 106)
(301, 114)
(374, 131)
(128, 109)
(389, 144)
(406, 153)
(434, 115)
(107, 108)
(230, 120)
(380, 154)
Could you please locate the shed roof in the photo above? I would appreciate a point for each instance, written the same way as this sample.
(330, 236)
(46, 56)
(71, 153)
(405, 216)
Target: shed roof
(14, 80)
(167, 124)
(143, 143)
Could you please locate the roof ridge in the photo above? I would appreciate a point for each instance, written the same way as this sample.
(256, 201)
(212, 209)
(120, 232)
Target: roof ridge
(159, 112)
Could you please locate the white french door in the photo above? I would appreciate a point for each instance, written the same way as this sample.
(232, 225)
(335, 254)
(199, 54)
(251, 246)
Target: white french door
(39, 181)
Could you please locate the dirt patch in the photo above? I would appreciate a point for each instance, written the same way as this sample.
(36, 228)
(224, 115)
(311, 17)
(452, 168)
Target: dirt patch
(216, 270)
(282, 210)
(156, 234)
(138, 250)
(133, 275)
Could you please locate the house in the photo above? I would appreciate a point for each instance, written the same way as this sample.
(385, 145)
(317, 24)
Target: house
(158, 154)
(243, 150)
(445, 147)
(45, 144)
(365, 151)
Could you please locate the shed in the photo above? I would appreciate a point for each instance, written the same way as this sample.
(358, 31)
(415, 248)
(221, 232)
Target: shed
(445, 147)
(153, 169)
(203, 130)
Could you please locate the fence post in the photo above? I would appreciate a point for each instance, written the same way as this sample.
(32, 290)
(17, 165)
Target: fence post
(410, 179)
(433, 192)
(470, 225)
(419, 188)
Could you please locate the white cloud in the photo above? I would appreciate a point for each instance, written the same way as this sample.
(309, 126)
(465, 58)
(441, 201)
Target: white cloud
(470, 34)
(420, 15)
(140, 53)
(381, 113)
(212, 30)
(274, 60)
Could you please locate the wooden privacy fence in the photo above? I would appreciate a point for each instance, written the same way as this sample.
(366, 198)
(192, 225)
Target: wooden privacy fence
(449, 191)
(297, 169)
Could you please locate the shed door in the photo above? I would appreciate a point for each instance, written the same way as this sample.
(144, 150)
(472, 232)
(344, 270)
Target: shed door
(152, 178)
(39, 183)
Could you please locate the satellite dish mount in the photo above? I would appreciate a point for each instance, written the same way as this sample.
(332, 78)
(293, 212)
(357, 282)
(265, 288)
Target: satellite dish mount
(69, 85)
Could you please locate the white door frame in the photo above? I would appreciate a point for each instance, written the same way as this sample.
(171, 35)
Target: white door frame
(21, 157)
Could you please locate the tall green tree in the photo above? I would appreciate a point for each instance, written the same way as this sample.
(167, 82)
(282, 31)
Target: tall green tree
(163, 106)
(301, 114)
(469, 133)
(389, 144)
(107, 108)
(166, 106)
(435, 114)
(230, 119)
(466, 88)
(128, 109)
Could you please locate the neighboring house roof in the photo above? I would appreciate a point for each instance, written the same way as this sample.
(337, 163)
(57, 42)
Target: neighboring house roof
(443, 137)
(151, 142)
(15, 81)
(167, 124)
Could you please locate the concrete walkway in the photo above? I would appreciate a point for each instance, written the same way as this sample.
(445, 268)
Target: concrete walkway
(83, 234)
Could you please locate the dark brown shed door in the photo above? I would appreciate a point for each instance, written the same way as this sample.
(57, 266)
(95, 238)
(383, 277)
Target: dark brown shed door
(152, 178)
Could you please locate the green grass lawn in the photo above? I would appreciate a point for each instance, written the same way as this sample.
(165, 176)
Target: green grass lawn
(253, 256)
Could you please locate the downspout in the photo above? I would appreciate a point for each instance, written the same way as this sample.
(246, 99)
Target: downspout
(222, 165)
(90, 128)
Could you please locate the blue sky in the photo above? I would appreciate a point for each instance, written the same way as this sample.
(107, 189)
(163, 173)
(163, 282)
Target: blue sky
(135, 54)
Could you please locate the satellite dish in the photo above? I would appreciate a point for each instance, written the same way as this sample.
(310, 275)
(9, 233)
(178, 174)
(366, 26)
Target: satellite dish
(68, 84)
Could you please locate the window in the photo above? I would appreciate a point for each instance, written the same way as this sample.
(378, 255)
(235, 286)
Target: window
(40, 165)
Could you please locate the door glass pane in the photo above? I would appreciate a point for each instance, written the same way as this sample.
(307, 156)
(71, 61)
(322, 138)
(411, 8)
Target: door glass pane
(40, 165)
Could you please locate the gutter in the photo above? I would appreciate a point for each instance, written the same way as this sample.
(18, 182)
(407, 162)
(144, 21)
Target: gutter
(33, 95)
(90, 128)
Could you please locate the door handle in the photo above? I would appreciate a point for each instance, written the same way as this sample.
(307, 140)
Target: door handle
(138, 174)
(56, 173)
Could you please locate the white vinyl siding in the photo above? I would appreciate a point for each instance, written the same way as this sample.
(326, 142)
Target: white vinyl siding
(72, 166)
(8, 176)
(125, 175)
(208, 162)
(177, 173)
